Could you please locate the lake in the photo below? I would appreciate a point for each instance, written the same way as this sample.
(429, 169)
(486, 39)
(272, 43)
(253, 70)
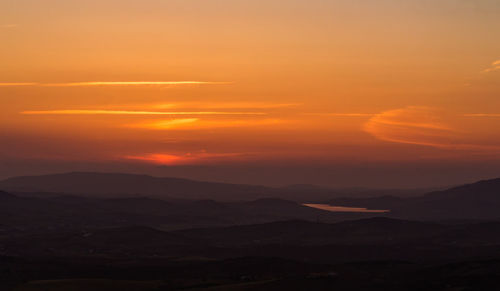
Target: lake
(332, 208)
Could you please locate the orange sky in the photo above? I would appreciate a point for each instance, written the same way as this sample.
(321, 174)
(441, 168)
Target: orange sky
(138, 85)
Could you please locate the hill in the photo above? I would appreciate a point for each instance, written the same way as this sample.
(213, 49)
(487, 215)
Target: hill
(476, 201)
(119, 185)
(66, 212)
(113, 184)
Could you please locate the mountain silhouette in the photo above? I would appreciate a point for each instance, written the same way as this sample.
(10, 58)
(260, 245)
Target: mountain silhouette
(113, 184)
(119, 185)
(480, 200)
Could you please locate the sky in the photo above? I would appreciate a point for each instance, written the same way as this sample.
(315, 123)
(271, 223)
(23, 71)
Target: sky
(341, 93)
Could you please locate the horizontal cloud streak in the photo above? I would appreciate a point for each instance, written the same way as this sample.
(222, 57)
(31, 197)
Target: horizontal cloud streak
(482, 115)
(166, 124)
(421, 126)
(343, 114)
(101, 83)
(195, 124)
(17, 84)
(12, 25)
(130, 112)
(494, 67)
(184, 159)
(226, 105)
(134, 83)
(161, 159)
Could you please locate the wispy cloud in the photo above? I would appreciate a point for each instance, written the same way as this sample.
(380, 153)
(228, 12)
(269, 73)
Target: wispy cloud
(166, 124)
(482, 115)
(131, 112)
(17, 84)
(196, 124)
(409, 125)
(423, 126)
(226, 105)
(202, 157)
(343, 114)
(161, 159)
(495, 66)
(132, 83)
(11, 25)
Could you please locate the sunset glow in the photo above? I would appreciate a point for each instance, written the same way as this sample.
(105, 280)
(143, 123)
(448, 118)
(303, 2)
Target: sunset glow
(249, 145)
(196, 123)
(16, 84)
(324, 92)
(185, 159)
(173, 83)
(123, 112)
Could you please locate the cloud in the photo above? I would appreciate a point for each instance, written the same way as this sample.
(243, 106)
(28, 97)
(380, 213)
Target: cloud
(343, 114)
(132, 83)
(226, 105)
(201, 157)
(482, 115)
(495, 66)
(423, 126)
(161, 159)
(17, 84)
(132, 112)
(8, 25)
(410, 125)
(197, 124)
(166, 124)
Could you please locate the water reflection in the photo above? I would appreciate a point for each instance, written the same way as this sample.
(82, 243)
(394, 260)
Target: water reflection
(332, 208)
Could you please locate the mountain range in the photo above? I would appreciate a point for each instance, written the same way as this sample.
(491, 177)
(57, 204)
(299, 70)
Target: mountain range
(172, 234)
(120, 185)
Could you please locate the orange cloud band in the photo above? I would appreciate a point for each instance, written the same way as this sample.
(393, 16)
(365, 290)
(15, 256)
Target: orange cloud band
(129, 112)
(196, 123)
(135, 83)
(17, 84)
(226, 105)
(104, 83)
(189, 158)
(422, 126)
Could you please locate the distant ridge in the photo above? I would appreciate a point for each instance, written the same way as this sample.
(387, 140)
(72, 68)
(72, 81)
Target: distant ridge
(480, 200)
(101, 184)
(113, 184)
(484, 188)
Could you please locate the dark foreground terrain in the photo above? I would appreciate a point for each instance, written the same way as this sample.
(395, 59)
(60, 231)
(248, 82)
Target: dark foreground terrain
(249, 273)
(446, 240)
(368, 254)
